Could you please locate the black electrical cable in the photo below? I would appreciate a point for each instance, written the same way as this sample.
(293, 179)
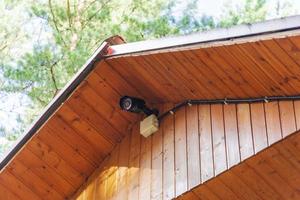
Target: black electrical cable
(228, 101)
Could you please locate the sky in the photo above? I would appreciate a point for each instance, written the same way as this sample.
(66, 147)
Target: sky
(214, 7)
(15, 104)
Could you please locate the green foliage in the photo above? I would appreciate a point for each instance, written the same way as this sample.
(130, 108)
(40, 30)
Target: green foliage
(73, 29)
(252, 11)
(77, 30)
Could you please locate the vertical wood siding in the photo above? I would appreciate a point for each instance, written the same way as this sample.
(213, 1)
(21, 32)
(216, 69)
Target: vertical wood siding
(192, 146)
(274, 173)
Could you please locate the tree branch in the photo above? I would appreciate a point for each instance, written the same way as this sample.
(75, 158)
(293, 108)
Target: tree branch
(69, 13)
(53, 77)
(55, 22)
(95, 13)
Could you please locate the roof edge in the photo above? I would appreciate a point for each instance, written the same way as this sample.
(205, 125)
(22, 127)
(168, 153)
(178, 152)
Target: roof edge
(221, 34)
(56, 102)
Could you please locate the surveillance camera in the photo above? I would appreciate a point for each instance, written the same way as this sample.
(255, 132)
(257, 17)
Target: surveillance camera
(136, 105)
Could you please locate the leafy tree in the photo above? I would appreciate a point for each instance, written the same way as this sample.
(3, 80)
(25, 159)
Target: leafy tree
(72, 29)
(252, 11)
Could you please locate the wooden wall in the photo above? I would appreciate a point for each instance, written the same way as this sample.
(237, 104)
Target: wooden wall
(272, 174)
(192, 146)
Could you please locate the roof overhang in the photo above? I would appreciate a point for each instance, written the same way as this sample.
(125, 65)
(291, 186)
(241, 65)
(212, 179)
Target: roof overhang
(241, 33)
(246, 61)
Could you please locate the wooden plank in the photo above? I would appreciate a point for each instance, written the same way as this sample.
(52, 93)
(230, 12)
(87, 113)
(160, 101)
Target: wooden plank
(163, 65)
(89, 114)
(289, 152)
(207, 87)
(115, 80)
(6, 194)
(128, 73)
(192, 86)
(239, 66)
(112, 178)
(101, 189)
(123, 170)
(203, 72)
(89, 193)
(165, 81)
(271, 176)
(101, 181)
(218, 138)
(234, 76)
(61, 129)
(219, 73)
(295, 141)
(112, 114)
(51, 158)
(255, 182)
(145, 169)
(295, 39)
(188, 196)
(134, 164)
(108, 93)
(193, 146)
(181, 65)
(285, 59)
(81, 196)
(279, 67)
(204, 193)
(169, 74)
(168, 155)
(297, 113)
(237, 186)
(245, 132)
(268, 70)
(251, 67)
(259, 132)
(180, 152)
(167, 78)
(66, 152)
(88, 132)
(157, 165)
(23, 191)
(32, 181)
(273, 122)
(290, 47)
(284, 168)
(206, 151)
(287, 117)
(221, 190)
(231, 134)
(45, 172)
(145, 72)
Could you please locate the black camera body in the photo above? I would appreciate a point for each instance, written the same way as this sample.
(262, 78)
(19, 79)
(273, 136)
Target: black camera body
(136, 105)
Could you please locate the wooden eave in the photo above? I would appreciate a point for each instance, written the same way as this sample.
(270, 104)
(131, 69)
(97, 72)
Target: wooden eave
(81, 126)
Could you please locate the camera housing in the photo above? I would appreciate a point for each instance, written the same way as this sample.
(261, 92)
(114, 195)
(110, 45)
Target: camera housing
(136, 105)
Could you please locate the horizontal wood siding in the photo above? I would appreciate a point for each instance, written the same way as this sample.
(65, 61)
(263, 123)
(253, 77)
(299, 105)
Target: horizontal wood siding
(191, 147)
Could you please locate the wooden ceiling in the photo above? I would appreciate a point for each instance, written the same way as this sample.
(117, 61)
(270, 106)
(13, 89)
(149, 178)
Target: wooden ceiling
(88, 125)
(271, 174)
(238, 70)
(72, 143)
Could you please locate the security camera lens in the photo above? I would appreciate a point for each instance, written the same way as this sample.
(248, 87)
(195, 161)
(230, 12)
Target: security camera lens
(126, 104)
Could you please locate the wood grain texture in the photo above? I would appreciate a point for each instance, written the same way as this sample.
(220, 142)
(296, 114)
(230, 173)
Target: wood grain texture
(199, 143)
(192, 146)
(270, 174)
